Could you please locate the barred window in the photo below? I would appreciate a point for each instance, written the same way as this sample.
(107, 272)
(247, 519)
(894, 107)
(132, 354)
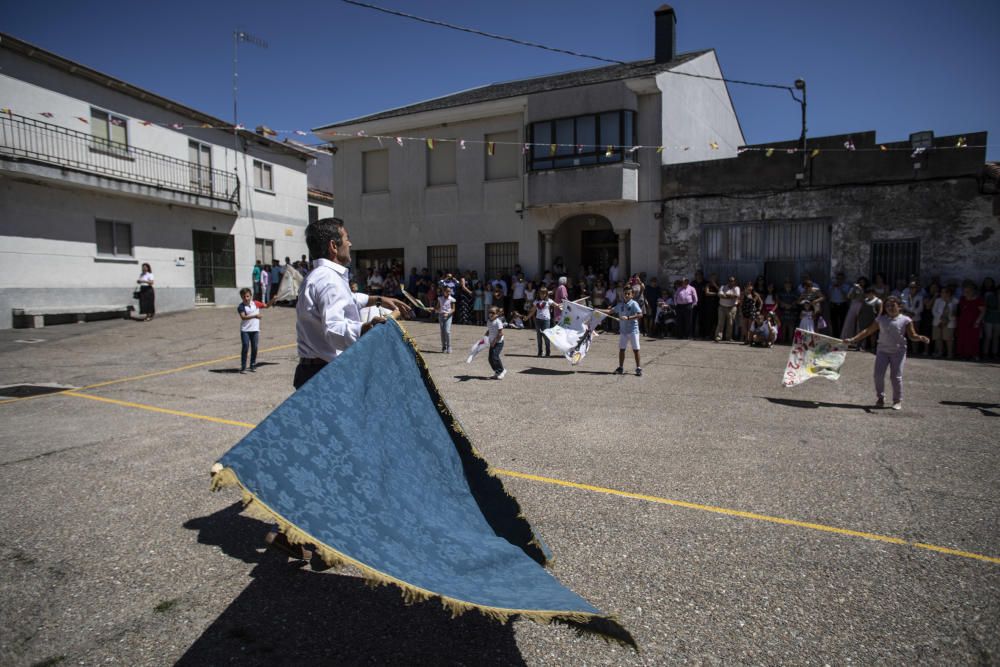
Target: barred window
(501, 257)
(442, 258)
(896, 259)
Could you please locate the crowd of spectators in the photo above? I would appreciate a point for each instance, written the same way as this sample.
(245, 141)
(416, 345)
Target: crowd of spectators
(961, 319)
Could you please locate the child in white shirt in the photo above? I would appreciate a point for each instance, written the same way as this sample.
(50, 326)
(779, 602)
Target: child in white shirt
(495, 334)
(541, 310)
(445, 309)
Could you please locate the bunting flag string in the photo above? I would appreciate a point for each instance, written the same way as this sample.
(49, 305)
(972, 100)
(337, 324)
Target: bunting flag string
(553, 149)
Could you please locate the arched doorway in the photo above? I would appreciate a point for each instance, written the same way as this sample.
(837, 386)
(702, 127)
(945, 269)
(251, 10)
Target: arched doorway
(586, 240)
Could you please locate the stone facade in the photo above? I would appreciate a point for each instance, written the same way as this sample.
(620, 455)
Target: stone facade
(939, 201)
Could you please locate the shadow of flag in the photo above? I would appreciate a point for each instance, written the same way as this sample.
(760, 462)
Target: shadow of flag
(367, 464)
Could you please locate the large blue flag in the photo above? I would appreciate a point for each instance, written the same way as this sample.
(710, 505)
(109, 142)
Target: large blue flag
(367, 463)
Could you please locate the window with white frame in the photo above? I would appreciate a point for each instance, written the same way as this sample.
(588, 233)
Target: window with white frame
(441, 163)
(502, 155)
(375, 171)
(110, 132)
(200, 166)
(114, 239)
(582, 140)
(264, 251)
(263, 178)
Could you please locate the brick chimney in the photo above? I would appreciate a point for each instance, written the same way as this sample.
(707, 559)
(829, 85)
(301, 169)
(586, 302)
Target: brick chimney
(666, 33)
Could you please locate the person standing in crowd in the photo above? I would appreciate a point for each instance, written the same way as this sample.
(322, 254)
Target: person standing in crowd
(880, 286)
(912, 300)
(729, 296)
(991, 321)
(969, 324)
(870, 311)
(750, 305)
(494, 332)
(894, 328)
(856, 299)
(652, 295)
(255, 278)
(445, 310)
(562, 294)
(788, 310)
(147, 296)
(249, 312)
(697, 317)
(614, 272)
(710, 307)
(926, 326)
(943, 313)
(517, 293)
(541, 310)
(685, 299)
(265, 283)
(276, 274)
(328, 315)
(839, 302)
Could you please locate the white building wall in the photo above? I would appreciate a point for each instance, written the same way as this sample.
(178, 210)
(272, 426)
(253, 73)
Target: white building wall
(47, 225)
(697, 112)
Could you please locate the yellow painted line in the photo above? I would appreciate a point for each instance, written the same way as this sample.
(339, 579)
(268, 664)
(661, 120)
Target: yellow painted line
(181, 368)
(615, 492)
(747, 515)
(153, 408)
(133, 378)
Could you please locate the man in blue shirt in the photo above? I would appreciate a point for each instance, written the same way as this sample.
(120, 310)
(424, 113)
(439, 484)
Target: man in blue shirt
(628, 312)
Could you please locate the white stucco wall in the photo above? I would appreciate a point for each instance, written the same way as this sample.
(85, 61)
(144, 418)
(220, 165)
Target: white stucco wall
(47, 220)
(697, 112)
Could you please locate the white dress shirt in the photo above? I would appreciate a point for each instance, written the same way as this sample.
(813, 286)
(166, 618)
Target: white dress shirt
(328, 314)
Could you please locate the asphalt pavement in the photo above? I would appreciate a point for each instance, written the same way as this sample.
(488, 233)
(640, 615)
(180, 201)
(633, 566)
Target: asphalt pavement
(722, 518)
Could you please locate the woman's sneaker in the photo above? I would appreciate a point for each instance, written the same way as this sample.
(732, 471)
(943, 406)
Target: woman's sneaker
(638, 371)
(898, 405)
(501, 374)
(619, 370)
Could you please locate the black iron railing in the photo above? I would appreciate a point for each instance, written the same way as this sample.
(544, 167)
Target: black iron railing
(36, 140)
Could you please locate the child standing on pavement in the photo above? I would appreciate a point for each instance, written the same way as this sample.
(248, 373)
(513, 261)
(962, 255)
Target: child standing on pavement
(628, 312)
(495, 334)
(445, 309)
(893, 328)
(541, 310)
(249, 312)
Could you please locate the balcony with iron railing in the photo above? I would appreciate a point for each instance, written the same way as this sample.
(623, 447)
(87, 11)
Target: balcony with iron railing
(123, 168)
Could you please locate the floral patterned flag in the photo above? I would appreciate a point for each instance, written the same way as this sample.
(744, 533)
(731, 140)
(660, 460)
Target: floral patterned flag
(813, 355)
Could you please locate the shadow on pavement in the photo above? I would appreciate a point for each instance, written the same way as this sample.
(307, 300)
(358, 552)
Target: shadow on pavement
(288, 614)
(795, 403)
(534, 370)
(984, 408)
(236, 370)
(466, 378)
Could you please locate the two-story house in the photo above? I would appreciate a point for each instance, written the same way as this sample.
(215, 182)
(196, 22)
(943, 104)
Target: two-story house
(98, 176)
(526, 172)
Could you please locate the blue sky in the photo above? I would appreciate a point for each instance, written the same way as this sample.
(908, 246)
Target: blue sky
(893, 66)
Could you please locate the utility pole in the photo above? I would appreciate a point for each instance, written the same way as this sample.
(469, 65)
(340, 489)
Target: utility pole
(800, 84)
(240, 36)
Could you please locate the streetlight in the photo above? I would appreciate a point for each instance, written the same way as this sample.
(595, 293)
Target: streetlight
(800, 84)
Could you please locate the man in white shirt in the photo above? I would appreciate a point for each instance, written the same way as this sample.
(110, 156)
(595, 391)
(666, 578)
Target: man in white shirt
(729, 297)
(614, 272)
(328, 314)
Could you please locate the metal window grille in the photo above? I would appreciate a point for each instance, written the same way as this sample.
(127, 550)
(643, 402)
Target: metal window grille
(777, 250)
(501, 257)
(114, 238)
(896, 259)
(442, 258)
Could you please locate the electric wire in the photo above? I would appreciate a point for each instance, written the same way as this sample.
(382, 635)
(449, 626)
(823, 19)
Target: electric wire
(544, 47)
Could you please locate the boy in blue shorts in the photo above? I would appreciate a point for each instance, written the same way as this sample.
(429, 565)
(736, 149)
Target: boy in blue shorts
(629, 313)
